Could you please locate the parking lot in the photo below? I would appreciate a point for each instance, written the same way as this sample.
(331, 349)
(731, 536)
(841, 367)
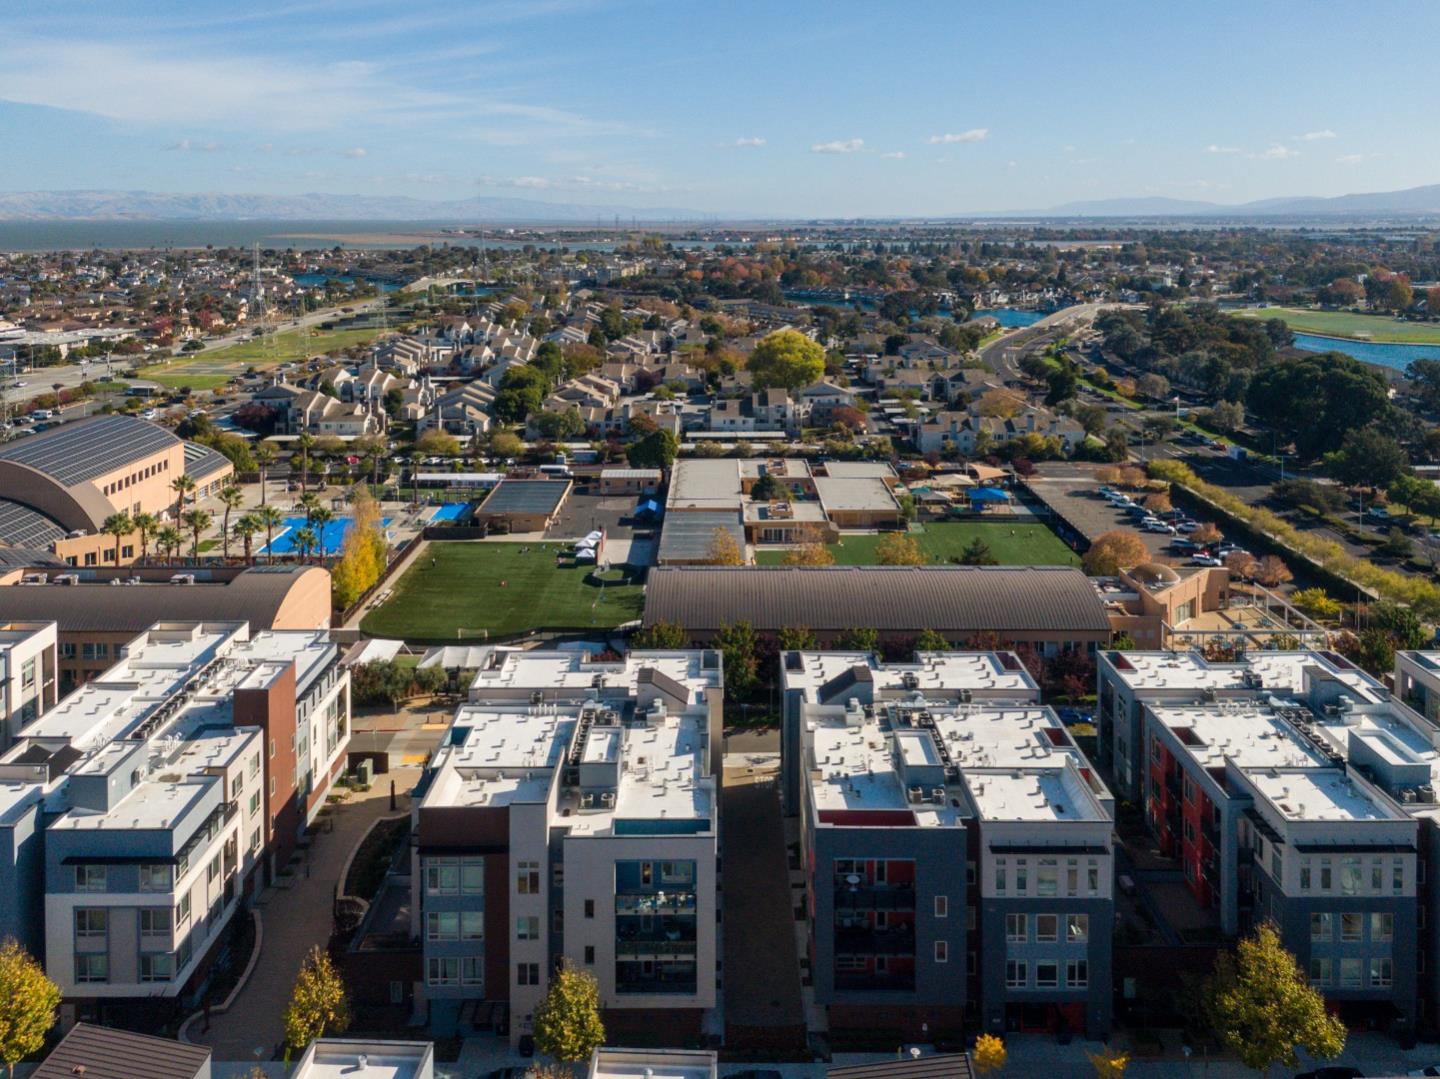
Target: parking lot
(1071, 492)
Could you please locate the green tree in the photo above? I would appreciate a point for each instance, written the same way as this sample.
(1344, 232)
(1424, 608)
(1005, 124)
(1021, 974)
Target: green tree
(568, 1027)
(197, 521)
(738, 644)
(118, 525)
(899, 549)
(1264, 1008)
(560, 424)
(1061, 384)
(232, 498)
(28, 1000)
(797, 639)
(1367, 456)
(978, 553)
(661, 634)
(931, 641)
(1401, 624)
(318, 1005)
(169, 539)
(147, 524)
(786, 358)
(859, 639)
(658, 449)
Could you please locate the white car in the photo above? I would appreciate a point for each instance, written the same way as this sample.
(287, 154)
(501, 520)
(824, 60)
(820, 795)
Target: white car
(1205, 560)
(1158, 526)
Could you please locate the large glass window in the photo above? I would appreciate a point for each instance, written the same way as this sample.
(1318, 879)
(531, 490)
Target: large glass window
(91, 922)
(442, 970)
(1047, 877)
(92, 968)
(1350, 973)
(1016, 974)
(442, 877)
(1077, 973)
(154, 921)
(155, 878)
(442, 925)
(527, 878)
(1077, 928)
(1047, 927)
(89, 878)
(156, 966)
(1382, 926)
(472, 876)
(472, 925)
(1320, 972)
(1350, 876)
(1382, 973)
(1015, 928)
(1352, 926)
(1047, 974)
(1321, 926)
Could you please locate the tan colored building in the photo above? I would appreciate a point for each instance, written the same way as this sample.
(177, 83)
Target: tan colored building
(1151, 600)
(97, 612)
(58, 487)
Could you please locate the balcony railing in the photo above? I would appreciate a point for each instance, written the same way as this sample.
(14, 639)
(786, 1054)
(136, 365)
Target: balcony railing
(873, 897)
(874, 942)
(645, 949)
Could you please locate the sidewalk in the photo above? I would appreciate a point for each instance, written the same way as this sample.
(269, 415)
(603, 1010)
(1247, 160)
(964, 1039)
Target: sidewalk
(297, 918)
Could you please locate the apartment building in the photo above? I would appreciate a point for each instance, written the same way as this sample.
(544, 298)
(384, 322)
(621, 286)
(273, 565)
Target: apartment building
(957, 847)
(571, 815)
(1307, 801)
(1127, 682)
(28, 659)
(150, 799)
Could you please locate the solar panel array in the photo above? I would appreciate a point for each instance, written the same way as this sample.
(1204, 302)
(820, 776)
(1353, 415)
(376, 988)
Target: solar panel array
(83, 449)
(526, 496)
(20, 526)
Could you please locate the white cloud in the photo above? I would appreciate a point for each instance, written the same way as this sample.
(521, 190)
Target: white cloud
(838, 146)
(1277, 152)
(975, 134)
(745, 143)
(894, 155)
(1313, 136)
(190, 146)
(1349, 159)
(1213, 149)
(354, 151)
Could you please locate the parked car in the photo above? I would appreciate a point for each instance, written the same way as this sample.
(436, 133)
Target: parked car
(1429, 1069)
(1334, 1071)
(1186, 526)
(1184, 546)
(1205, 560)
(1153, 525)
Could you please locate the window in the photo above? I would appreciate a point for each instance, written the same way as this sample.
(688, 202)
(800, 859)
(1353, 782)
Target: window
(1382, 926)
(1352, 926)
(1349, 876)
(527, 973)
(156, 966)
(182, 909)
(1047, 877)
(1350, 974)
(92, 968)
(1375, 875)
(254, 768)
(1077, 928)
(212, 873)
(942, 951)
(1072, 877)
(1015, 928)
(527, 878)
(472, 970)
(589, 955)
(677, 872)
(91, 922)
(27, 674)
(1047, 927)
(89, 878)
(1047, 974)
(1092, 884)
(970, 919)
(155, 921)
(442, 925)
(589, 908)
(1321, 927)
(472, 876)
(1016, 974)
(942, 906)
(1022, 876)
(1077, 973)
(527, 927)
(1382, 973)
(1397, 877)
(254, 803)
(154, 878)
(1305, 875)
(1326, 883)
(1319, 972)
(472, 925)
(442, 970)
(442, 877)
(255, 840)
(1000, 875)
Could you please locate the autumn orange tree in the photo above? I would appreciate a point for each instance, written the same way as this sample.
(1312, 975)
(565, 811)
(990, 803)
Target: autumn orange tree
(1114, 551)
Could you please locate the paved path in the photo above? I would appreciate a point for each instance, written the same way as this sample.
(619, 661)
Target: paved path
(297, 918)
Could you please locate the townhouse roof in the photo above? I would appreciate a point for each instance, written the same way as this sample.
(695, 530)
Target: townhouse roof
(97, 1052)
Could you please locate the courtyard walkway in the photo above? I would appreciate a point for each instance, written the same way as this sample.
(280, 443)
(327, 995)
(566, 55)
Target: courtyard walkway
(296, 918)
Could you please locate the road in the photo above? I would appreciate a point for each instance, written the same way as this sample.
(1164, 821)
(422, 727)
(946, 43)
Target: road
(1003, 355)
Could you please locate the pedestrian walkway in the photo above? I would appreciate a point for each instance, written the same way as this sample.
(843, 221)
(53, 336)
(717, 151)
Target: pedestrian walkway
(296, 918)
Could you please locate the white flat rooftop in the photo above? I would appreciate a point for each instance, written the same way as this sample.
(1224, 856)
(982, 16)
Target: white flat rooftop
(1246, 731)
(991, 674)
(569, 673)
(1319, 794)
(1280, 672)
(1032, 794)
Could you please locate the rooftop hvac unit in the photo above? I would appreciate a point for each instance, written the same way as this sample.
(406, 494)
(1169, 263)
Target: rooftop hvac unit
(937, 795)
(35, 578)
(910, 680)
(67, 578)
(917, 795)
(183, 578)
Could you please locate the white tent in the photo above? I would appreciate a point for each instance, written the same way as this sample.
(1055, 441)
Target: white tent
(595, 537)
(586, 554)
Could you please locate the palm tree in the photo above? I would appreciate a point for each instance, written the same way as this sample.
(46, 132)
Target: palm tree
(197, 521)
(182, 485)
(169, 539)
(118, 525)
(270, 519)
(317, 522)
(306, 443)
(309, 502)
(306, 539)
(147, 524)
(232, 497)
(264, 458)
(246, 528)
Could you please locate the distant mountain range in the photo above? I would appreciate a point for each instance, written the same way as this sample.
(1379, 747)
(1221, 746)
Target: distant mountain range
(155, 206)
(1412, 202)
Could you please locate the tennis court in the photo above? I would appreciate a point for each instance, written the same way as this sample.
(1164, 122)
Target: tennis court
(331, 536)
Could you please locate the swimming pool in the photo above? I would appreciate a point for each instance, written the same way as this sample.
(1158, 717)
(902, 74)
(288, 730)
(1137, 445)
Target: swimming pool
(332, 535)
(448, 511)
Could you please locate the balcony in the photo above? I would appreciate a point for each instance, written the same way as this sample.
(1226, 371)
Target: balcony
(654, 949)
(656, 903)
(861, 941)
(858, 981)
(873, 897)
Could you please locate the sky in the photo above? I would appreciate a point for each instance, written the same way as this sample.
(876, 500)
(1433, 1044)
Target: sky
(783, 108)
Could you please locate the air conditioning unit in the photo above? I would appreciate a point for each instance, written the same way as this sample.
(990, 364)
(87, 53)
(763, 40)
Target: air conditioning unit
(67, 578)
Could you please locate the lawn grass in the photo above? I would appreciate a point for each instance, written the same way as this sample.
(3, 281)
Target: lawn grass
(1032, 544)
(206, 370)
(460, 596)
(1349, 324)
